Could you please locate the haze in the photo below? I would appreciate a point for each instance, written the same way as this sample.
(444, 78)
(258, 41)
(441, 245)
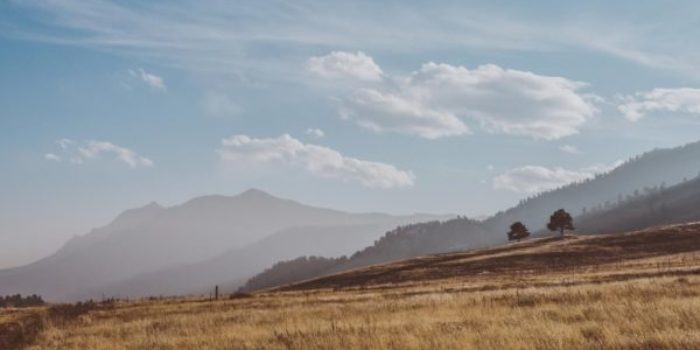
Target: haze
(401, 108)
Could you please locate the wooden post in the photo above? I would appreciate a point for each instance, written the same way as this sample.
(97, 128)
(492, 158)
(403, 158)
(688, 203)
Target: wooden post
(216, 293)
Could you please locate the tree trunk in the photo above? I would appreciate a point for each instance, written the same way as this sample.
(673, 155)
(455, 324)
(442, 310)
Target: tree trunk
(561, 232)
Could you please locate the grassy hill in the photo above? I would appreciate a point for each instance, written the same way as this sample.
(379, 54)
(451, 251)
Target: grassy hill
(401, 243)
(590, 256)
(649, 189)
(657, 206)
(638, 290)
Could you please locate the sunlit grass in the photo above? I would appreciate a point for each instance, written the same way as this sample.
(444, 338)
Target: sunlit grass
(566, 311)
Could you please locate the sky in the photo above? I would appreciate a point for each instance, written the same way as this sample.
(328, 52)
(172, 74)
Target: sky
(460, 107)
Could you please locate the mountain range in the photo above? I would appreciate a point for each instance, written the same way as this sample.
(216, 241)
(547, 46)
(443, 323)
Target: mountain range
(226, 240)
(191, 247)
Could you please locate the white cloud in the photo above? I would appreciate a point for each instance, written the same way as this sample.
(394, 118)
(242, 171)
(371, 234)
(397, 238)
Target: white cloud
(534, 178)
(505, 100)
(52, 156)
(80, 152)
(95, 149)
(686, 100)
(318, 160)
(315, 132)
(339, 64)
(569, 149)
(380, 111)
(436, 100)
(152, 80)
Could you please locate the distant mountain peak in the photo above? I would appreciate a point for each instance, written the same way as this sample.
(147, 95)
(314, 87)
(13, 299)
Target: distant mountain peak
(254, 192)
(252, 195)
(152, 205)
(135, 216)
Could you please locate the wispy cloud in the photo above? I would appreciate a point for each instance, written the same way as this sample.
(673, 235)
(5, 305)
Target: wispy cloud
(80, 152)
(221, 105)
(685, 100)
(221, 36)
(150, 79)
(535, 178)
(317, 160)
(315, 132)
(570, 149)
(52, 156)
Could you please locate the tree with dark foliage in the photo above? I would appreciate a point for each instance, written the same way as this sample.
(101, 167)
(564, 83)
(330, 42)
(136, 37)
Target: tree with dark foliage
(518, 231)
(560, 221)
(20, 301)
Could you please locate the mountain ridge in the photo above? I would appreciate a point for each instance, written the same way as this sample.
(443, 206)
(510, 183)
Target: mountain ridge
(152, 238)
(552, 254)
(670, 166)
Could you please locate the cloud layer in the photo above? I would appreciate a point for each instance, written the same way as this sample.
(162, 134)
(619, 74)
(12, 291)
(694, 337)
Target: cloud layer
(317, 160)
(438, 99)
(201, 36)
(80, 152)
(686, 100)
(535, 178)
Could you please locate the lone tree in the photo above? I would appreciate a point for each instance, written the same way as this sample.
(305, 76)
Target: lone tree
(560, 221)
(518, 231)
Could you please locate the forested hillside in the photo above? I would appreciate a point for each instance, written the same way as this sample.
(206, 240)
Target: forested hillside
(401, 243)
(634, 195)
(636, 177)
(677, 204)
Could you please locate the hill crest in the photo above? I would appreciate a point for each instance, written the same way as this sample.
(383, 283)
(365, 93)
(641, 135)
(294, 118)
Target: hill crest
(582, 253)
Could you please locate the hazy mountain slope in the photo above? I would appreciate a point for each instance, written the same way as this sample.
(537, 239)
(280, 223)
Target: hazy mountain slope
(233, 267)
(401, 243)
(661, 206)
(669, 166)
(674, 205)
(151, 238)
(420, 239)
(640, 174)
(641, 251)
(292, 271)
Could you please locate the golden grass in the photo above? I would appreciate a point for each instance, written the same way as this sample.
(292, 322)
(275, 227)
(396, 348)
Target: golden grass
(651, 302)
(14, 314)
(657, 313)
(20, 327)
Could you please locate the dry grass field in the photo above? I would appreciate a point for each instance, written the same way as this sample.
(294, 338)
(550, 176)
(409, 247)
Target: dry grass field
(20, 327)
(634, 291)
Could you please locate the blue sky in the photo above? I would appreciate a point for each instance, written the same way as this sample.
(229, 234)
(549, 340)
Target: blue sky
(441, 107)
